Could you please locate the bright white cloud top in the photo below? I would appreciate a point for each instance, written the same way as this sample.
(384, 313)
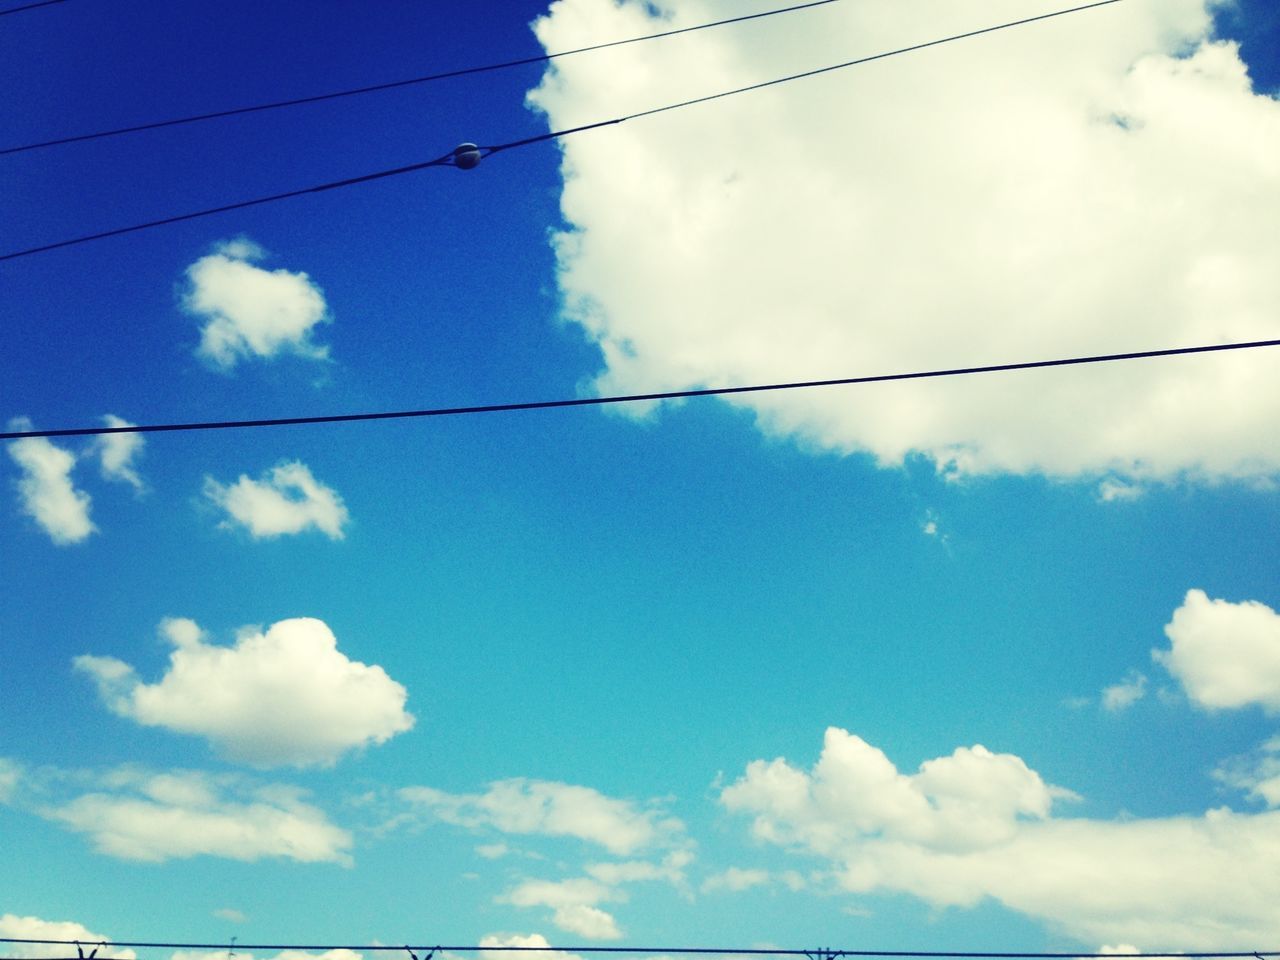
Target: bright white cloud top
(248, 311)
(45, 489)
(1061, 189)
(522, 806)
(1224, 654)
(287, 499)
(283, 697)
(978, 825)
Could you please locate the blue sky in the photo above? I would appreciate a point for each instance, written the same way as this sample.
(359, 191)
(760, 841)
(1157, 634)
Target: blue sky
(961, 665)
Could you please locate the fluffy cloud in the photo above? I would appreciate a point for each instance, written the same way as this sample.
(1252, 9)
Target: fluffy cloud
(252, 312)
(1122, 695)
(33, 928)
(573, 903)
(287, 500)
(45, 490)
(117, 452)
(1224, 654)
(1102, 182)
(137, 815)
(520, 806)
(284, 697)
(978, 825)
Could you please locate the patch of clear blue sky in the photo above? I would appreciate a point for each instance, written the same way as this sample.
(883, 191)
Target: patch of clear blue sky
(566, 595)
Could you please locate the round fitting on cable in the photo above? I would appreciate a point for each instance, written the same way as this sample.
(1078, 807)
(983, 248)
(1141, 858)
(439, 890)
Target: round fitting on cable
(466, 156)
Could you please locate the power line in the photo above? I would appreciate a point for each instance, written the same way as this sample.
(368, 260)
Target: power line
(30, 6)
(395, 84)
(823, 953)
(447, 159)
(631, 398)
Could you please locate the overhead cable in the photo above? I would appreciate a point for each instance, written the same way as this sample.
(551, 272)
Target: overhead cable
(823, 953)
(396, 84)
(447, 160)
(30, 6)
(630, 398)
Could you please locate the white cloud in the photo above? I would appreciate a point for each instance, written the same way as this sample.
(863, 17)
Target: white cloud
(1224, 654)
(252, 312)
(1112, 490)
(521, 806)
(230, 914)
(491, 942)
(338, 954)
(1258, 775)
(978, 825)
(1123, 695)
(573, 902)
(153, 817)
(284, 697)
(286, 500)
(118, 451)
(10, 777)
(670, 870)
(45, 490)
(1060, 189)
(33, 928)
(735, 879)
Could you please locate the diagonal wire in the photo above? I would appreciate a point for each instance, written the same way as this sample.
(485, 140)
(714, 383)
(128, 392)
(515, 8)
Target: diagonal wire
(446, 160)
(30, 6)
(395, 84)
(634, 398)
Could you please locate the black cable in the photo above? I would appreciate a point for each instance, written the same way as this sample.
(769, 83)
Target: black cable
(446, 160)
(813, 954)
(541, 138)
(31, 6)
(630, 398)
(375, 88)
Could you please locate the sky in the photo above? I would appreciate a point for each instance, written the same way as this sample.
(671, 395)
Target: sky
(988, 663)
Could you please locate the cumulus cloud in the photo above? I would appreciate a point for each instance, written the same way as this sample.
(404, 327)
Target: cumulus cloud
(286, 500)
(117, 452)
(1224, 654)
(34, 928)
(573, 903)
(286, 696)
(978, 825)
(154, 817)
(45, 490)
(248, 311)
(522, 806)
(1101, 183)
(230, 914)
(1123, 695)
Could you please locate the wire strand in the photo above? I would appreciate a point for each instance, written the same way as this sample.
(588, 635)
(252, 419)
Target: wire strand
(823, 953)
(396, 84)
(632, 398)
(30, 6)
(542, 138)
